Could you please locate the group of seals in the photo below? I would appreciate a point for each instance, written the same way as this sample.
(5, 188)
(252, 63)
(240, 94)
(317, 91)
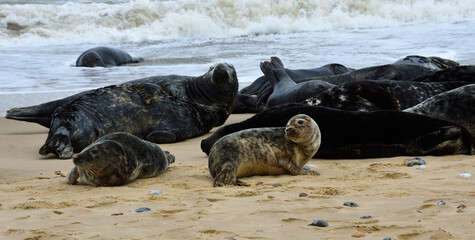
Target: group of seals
(105, 57)
(265, 151)
(161, 109)
(117, 159)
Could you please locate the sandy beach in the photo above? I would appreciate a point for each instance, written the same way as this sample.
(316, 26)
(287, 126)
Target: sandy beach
(37, 203)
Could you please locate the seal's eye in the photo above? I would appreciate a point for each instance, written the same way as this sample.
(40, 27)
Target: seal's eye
(300, 121)
(95, 152)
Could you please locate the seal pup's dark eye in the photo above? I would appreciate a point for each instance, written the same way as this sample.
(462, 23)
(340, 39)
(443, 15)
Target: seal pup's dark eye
(300, 121)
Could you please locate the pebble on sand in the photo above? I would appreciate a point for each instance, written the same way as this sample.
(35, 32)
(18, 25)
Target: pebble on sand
(142, 209)
(155, 192)
(319, 223)
(414, 161)
(350, 204)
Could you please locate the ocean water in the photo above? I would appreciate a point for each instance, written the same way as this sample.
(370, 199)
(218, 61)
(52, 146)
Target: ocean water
(41, 39)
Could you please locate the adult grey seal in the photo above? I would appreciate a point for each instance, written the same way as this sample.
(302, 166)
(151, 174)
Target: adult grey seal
(435, 63)
(265, 151)
(457, 105)
(353, 134)
(105, 57)
(117, 159)
(158, 109)
(362, 95)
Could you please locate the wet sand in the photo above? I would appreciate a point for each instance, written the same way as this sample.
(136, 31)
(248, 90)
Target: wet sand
(37, 203)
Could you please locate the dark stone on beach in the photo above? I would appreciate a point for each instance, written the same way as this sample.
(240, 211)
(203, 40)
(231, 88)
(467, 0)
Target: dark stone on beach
(350, 204)
(366, 217)
(303, 194)
(388, 238)
(319, 223)
(414, 161)
(142, 209)
(276, 184)
(441, 203)
(419, 211)
(117, 214)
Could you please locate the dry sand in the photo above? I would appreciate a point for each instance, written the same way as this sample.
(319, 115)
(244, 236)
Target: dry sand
(37, 203)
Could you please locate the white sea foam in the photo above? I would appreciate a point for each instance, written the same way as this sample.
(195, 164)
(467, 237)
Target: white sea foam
(145, 20)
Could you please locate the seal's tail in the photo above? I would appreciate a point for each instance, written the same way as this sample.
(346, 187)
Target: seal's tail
(170, 157)
(30, 114)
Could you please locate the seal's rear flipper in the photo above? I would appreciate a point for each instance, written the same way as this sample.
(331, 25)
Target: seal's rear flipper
(58, 144)
(41, 113)
(25, 114)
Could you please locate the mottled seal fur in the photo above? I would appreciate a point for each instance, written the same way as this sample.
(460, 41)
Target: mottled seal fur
(265, 151)
(118, 158)
(457, 105)
(352, 134)
(105, 57)
(361, 95)
(380, 95)
(435, 63)
(158, 109)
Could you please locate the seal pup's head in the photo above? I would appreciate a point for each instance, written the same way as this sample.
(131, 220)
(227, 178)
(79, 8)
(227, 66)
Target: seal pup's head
(303, 129)
(103, 163)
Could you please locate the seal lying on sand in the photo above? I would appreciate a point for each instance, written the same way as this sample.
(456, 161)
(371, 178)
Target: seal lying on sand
(457, 105)
(118, 158)
(435, 63)
(202, 90)
(351, 134)
(362, 95)
(105, 57)
(265, 151)
(188, 108)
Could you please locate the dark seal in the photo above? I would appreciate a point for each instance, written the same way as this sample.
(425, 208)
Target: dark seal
(158, 109)
(457, 105)
(105, 57)
(117, 159)
(361, 95)
(352, 134)
(265, 151)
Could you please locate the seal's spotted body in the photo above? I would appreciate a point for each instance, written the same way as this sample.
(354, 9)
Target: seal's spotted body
(117, 159)
(265, 151)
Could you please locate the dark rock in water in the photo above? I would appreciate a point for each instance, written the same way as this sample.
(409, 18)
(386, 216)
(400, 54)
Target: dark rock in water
(142, 209)
(319, 223)
(366, 217)
(351, 204)
(414, 161)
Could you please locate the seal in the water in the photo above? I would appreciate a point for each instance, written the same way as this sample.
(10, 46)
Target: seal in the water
(105, 57)
(157, 109)
(265, 151)
(118, 158)
(457, 105)
(352, 134)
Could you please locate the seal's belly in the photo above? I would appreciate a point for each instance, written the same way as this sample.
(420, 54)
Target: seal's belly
(249, 168)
